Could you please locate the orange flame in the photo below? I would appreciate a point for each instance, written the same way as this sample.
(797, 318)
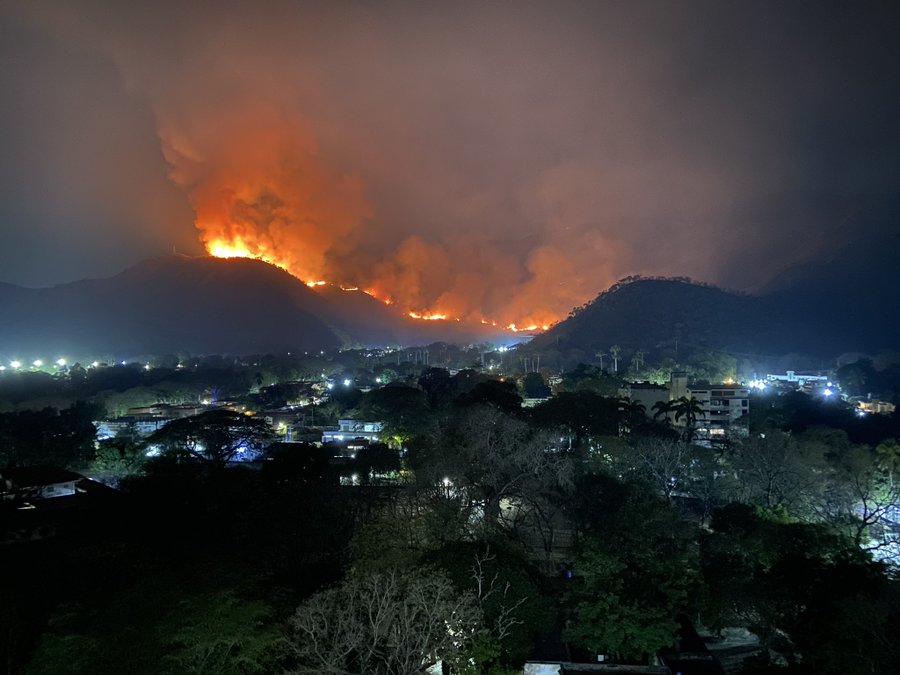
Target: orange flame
(428, 316)
(239, 247)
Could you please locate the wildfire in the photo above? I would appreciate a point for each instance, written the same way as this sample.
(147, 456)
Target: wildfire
(238, 248)
(427, 316)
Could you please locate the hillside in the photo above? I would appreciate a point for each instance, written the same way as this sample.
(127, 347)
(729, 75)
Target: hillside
(182, 304)
(654, 315)
(166, 305)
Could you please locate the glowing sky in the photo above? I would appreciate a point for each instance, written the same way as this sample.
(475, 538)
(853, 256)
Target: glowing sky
(505, 159)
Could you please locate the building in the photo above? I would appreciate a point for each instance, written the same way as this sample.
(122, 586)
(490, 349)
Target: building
(647, 394)
(352, 429)
(876, 407)
(285, 421)
(133, 427)
(38, 482)
(726, 409)
(798, 379)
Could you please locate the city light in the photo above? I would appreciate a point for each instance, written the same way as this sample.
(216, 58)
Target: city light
(827, 393)
(60, 362)
(37, 363)
(15, 365)
(346, 383)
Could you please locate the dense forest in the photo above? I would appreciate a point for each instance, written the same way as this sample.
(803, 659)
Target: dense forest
(580, 522)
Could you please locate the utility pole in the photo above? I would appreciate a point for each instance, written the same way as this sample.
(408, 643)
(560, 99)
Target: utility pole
(600, 356)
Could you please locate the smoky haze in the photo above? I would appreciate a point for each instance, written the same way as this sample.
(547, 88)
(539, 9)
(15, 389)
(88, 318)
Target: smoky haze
(497, 160)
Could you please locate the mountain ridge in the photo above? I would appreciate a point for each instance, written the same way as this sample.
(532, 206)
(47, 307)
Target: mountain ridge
(203, 305)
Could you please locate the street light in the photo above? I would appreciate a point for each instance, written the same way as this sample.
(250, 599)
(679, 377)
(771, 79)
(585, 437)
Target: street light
(60, 362)
(15, 364)
(37, 363)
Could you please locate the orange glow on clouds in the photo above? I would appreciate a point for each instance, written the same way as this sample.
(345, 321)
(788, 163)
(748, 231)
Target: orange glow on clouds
(260, 190)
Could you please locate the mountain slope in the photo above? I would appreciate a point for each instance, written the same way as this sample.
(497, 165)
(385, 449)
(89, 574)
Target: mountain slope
(656, 314)
(182, 304)
(172, 304)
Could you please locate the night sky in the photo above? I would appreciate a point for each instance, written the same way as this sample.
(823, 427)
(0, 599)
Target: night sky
(500, 158)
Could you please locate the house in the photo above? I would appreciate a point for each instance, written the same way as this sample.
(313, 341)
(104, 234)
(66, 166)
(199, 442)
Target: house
(876, 407)
(37, 482)
(285, 421)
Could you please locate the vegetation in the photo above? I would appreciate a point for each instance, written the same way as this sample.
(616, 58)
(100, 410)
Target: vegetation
(583, 517)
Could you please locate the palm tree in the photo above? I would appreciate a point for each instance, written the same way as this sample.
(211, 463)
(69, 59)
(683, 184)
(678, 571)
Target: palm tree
(614, 352)
(663, 409)
(633, 412)
(690, 409)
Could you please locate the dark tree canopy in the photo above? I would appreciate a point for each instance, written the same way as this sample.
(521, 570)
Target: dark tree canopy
(215, 437)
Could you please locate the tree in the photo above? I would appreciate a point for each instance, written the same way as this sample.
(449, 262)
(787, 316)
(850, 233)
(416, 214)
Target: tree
(712, 366)
(502, 395)
(534, 386)
(664, 464)
(403, 410)
(215, 437)
(663, 409)
(62, 438)
(383, 624)
(816, 602)
(583, 415)
(494, 455)
(437, 385)
(637, 570)
(614, 352)
(863, 497)
(634, 414)
(690, 409)
(774, 471)
(377, 458)
(590, 378)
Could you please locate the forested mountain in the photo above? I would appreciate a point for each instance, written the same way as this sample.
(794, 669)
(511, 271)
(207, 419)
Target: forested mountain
(181, 304)
(823, 312)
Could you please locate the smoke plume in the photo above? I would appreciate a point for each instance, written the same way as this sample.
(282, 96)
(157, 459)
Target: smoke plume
(494, 161)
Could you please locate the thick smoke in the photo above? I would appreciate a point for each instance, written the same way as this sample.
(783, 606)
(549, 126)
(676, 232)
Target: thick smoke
(502, 161)
(255, 181)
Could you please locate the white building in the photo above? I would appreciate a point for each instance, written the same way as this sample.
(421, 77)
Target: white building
(349, 430)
